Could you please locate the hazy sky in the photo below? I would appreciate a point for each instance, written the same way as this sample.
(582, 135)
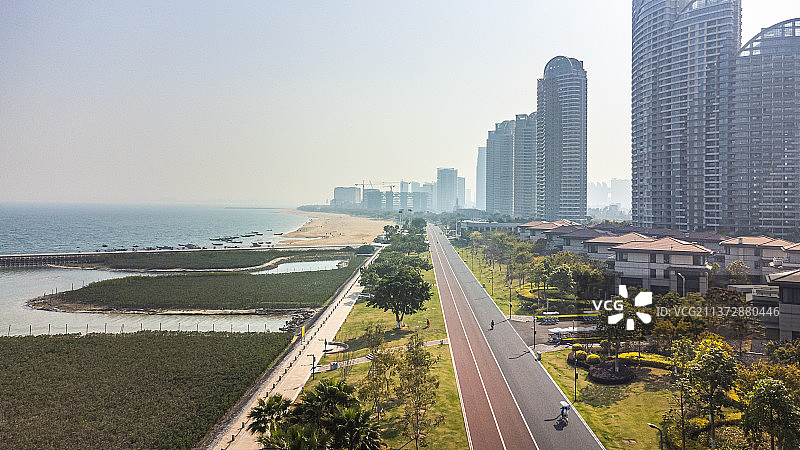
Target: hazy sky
(274, 103)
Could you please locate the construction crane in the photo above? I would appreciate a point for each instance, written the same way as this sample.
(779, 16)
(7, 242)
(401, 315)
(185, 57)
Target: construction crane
(380, 184)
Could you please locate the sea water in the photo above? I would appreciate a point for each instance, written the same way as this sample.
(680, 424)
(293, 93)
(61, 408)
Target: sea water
(68, 228)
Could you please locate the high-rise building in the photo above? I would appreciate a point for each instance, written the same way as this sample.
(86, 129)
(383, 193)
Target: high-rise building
(430, 189)
(373, 199)
(761, 169)
(681, 89)
(346, 196)
(390, 200)
(480, 180)
(524, 156)
(620, 192)
(500, 169)
(446, 189)
(561, 141)
(416, 187)
(461, 192)
(403, 186)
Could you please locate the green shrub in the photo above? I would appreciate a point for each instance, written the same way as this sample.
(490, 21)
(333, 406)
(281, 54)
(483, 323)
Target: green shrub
(592, 359)
(580, 354)
(576, 347)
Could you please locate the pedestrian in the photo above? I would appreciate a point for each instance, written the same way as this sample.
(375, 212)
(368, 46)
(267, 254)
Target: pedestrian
(492, 324)
(428, 321)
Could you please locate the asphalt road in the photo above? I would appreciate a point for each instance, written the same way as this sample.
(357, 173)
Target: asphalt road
(507, 398)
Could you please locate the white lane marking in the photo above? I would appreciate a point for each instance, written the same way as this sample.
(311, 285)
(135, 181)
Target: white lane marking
(477, 367)
(466, 299)
(452, 358)
(563, 395)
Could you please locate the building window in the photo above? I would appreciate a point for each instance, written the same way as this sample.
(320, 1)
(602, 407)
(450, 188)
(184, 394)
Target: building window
(666, 274)
(698, 260)
(727, 250)
(666, 258)
(652, 257)
(566, 241)
(790, 295)
(592, 249)
(622, 256)
(757, 251)
(653, 273)
(757, 264)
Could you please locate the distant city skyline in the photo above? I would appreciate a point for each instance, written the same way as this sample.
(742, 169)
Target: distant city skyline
(273, 104)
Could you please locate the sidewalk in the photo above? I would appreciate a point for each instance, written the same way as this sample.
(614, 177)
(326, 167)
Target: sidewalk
(290, 374)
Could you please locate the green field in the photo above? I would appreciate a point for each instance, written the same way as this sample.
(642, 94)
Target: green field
(142, 390)
(616, 413)
(233, 290)
(352, 331)
(452, 434)
(206, 259)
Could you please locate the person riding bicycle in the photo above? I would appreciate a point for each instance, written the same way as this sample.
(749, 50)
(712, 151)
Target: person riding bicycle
(492, 325)
(565, 412)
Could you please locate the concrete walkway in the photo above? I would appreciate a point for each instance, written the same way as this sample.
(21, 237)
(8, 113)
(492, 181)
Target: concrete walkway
(291, 373)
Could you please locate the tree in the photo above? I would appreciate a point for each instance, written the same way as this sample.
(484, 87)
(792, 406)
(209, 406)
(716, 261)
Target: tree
(561, 278)
(353, 429)
(296, 437)
(324, 400)
(404, 292)
(418, 223)
(390, 229)
(376, 388)
(268, 413)
(739, 272)
(712, 372)
(389, 264)
(417, 390)
(788, 374)
(770, 410)
(682, 354)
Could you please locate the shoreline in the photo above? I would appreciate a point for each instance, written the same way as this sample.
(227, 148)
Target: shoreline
(324, 228)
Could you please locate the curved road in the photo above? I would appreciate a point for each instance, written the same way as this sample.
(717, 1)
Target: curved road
(507, 398)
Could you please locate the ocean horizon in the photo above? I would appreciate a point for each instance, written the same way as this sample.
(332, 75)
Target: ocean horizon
(65, 228)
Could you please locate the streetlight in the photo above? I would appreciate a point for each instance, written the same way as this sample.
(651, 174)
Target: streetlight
(313, 364)
(684, 282)
(660, 435)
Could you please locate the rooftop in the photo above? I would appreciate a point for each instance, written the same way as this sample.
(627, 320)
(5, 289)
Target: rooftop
(792, 276)
(622, 239)
(757, 241)
(542, 225)
(666, 244)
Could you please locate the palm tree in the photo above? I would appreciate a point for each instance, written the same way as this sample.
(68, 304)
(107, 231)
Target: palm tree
(267, 413)
(323, 401)
(353, 429)
(296, 437)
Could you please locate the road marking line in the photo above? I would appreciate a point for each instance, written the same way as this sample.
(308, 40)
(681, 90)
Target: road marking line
(477, 367)
(453, 360)
(466, 299)
(540, 363)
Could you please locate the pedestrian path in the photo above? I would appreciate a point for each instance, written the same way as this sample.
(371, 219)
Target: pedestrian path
(291, 373)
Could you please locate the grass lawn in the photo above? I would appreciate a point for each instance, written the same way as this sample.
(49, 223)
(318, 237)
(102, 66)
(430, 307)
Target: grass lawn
(501, 291)
(450, 435)
(206, 259)
(620, 412)
(140, 390)
(353, 330)
(230, 290)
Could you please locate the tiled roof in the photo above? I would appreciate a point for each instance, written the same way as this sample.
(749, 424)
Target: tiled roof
(541, 225)
(666, 244)
(705, 236)
(792, 276)
(585, 233)
(564, 229)
(793, 248)
(757, 241)
(625, 238)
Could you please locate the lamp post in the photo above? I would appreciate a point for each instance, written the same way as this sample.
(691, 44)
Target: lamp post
(313, 364)
(660, 435)
(683, 279)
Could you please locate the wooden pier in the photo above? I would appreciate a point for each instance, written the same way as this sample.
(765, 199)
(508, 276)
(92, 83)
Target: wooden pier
(39, 260)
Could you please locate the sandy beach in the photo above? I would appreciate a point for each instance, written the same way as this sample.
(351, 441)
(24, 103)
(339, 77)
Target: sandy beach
(333, 229)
